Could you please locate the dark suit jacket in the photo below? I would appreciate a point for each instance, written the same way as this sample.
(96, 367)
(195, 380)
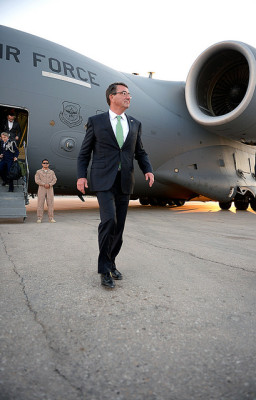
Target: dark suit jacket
(15, 131)
(101, 140)
(8, 155)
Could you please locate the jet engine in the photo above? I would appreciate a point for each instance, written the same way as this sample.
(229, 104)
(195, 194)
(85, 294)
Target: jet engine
(220, 90)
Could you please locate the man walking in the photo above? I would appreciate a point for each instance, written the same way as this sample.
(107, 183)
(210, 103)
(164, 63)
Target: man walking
(114, 138)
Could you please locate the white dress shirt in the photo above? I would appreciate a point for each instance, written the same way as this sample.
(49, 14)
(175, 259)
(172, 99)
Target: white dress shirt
(10, 124)
(124, 123)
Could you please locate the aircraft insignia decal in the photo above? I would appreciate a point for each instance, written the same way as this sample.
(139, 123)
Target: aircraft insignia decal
(71, 114)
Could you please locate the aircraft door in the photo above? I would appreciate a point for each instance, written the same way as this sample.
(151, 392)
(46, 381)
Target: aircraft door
(20, 117)
(14, 120)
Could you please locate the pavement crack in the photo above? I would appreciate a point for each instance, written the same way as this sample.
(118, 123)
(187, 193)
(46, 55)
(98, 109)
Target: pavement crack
(193, 255)
(35, 316)
(78, 389)
(22, 284)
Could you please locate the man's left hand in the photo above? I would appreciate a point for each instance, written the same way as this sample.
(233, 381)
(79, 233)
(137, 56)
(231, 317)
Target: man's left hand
(149, 177)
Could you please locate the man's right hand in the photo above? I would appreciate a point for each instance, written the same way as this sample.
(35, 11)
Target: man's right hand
(82, 184)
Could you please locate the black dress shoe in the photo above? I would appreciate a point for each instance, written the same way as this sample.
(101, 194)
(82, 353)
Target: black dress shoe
(106, 280)
(116, 274)
(10, 190)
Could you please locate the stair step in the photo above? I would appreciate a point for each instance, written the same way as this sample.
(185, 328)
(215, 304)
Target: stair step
(14, 213)
(12, 195)
(12, 204)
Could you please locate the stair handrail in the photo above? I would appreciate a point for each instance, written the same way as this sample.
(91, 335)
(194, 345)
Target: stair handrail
(27, 172)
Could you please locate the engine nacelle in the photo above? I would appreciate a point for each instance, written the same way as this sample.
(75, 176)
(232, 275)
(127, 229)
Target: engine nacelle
(220, 90)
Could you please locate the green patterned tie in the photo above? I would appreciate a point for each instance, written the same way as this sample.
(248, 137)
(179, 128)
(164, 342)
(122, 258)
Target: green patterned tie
(119, 131)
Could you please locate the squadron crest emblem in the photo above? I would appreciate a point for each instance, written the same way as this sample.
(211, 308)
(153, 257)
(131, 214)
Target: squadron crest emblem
(70, 114)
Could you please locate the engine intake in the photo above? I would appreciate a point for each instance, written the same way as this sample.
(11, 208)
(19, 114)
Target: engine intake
(220, 90)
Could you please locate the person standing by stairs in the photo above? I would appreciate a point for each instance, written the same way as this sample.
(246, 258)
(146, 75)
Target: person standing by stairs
(45, 178)
(8, 153)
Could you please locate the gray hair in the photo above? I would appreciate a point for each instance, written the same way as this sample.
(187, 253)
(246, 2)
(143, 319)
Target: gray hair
(5, 134)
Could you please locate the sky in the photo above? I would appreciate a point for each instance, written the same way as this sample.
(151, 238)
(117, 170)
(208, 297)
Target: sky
(163, 36)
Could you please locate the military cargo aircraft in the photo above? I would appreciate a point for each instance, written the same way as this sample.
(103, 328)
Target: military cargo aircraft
(200, 134)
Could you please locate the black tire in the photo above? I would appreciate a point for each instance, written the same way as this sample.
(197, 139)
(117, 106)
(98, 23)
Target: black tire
(153, 201)
(242, 204)
(179, 203)
(253, 204)
(161, 203)
(225, 206)
(144, 201)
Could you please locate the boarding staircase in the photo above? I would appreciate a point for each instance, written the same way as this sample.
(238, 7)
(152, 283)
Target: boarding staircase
(13, 204)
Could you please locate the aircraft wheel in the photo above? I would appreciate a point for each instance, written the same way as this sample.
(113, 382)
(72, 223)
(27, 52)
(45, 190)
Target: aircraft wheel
(153, 201)
(144, 201)
(161, 203)
(179, 203)
(171, 203)
(253, 204)
(242, 204)
(225, 206)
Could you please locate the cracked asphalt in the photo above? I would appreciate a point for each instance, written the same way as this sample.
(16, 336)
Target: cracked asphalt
(180, 326)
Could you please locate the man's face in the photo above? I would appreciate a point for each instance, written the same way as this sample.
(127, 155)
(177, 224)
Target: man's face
(121, 99)
(11, 118)
(4, 138)
(45, 164)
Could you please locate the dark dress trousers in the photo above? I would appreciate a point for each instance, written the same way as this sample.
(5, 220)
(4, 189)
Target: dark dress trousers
(113, 187)
(9, 151)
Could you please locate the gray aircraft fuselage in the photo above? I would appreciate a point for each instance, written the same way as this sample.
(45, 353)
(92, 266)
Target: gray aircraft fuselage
(59, 89)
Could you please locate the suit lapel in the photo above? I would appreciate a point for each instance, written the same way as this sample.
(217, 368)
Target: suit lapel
(131, 127)
(107, 123)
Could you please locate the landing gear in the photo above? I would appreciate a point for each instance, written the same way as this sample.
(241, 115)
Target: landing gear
(179, 203)
(161, 202)
(241, 203)
(154, 201)
(253, 204)
(225, 206)
(144, 201)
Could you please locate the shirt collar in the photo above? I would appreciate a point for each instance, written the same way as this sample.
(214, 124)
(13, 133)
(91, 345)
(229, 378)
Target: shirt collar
(113, 115)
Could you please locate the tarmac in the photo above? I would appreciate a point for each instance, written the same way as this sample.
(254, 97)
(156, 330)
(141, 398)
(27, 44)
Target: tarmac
(180, 325)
